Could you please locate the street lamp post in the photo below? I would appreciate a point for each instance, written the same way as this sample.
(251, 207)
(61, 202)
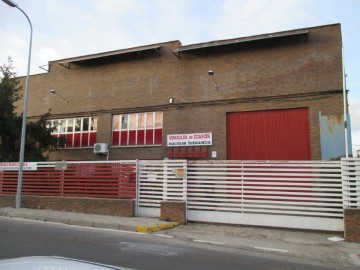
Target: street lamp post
(23, 128)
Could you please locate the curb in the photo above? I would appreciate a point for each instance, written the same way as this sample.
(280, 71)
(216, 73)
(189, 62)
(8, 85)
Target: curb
(88, 223)
(159, 227)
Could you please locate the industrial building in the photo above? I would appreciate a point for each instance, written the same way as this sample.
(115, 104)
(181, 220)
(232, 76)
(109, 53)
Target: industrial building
(277, 96)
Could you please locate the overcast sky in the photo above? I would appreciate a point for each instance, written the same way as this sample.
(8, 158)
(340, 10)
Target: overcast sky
(69, 28)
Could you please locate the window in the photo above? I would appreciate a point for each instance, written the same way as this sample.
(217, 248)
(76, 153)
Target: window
(137, 129)
(79, 132)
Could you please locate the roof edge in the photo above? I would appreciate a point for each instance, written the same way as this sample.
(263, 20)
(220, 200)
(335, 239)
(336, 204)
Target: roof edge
(259, 36)
(144, 47)
(96, 55)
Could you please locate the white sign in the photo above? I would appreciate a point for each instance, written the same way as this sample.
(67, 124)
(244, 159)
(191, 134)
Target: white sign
(14, 166)
(192, 139)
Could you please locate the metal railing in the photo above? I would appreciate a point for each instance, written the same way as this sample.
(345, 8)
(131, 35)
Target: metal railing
(301, 194)
(292, 194)
(79, 179)
(298, 188)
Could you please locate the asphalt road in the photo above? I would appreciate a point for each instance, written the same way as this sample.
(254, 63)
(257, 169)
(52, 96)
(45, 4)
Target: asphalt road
(20, 238)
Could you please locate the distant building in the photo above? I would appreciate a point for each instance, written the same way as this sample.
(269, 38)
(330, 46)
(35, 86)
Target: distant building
(274, 96)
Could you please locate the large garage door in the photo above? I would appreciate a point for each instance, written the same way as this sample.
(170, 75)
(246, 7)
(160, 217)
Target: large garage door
(269, 135)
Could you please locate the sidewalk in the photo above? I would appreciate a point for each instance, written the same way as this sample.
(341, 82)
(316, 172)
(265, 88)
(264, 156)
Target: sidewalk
(312, 245)
(301, 244)
(139, 224)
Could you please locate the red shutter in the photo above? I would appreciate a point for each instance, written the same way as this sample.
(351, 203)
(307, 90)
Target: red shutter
(269, 135)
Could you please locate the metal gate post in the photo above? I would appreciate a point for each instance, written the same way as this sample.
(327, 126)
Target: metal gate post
(1, 181)
(165, 180)
(342, 168)
(137, 188)
(185, 187)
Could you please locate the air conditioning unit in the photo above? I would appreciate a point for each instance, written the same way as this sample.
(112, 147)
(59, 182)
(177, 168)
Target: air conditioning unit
(100, 148)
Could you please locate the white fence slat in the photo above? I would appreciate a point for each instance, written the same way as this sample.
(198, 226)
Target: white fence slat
(249, 163)
(336, 204)
(293, 199)
(229, 170)
(229, 180)
(266, 211)
(296, 222)
(230, 188)
(240, 206)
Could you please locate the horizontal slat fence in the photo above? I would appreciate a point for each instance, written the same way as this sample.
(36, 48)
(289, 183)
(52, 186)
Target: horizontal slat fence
(298, 188)
(80, 179)
(351, 182)
(157, 181)
(294, 194)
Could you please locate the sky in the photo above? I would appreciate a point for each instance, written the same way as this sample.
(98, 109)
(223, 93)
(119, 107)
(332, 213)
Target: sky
(70, 28)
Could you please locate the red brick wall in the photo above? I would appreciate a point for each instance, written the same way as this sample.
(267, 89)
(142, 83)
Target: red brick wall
(113, 207)
(7, 201)
(288, 74)
(173, 211)
(352, 224)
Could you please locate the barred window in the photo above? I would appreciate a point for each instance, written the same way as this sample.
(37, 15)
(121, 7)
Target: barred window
(79, 132)
(137, 129)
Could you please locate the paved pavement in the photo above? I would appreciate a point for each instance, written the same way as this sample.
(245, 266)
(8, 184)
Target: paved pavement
(312, 245)
(323, 247)
(140, 224)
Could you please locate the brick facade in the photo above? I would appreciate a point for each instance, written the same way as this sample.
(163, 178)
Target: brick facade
(173, 211)
(352, 224)
(7, 201)
(291, 72)
(113, 207)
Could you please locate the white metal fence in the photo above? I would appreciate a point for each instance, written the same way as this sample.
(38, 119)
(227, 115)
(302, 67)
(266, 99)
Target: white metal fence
(350, 170)
(292, 194)
(159, 180)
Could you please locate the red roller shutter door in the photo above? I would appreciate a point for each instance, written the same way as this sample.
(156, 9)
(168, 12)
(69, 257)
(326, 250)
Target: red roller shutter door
(269, 135)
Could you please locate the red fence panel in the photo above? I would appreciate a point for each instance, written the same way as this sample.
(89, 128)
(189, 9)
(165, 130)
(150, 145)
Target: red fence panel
(89, 179)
